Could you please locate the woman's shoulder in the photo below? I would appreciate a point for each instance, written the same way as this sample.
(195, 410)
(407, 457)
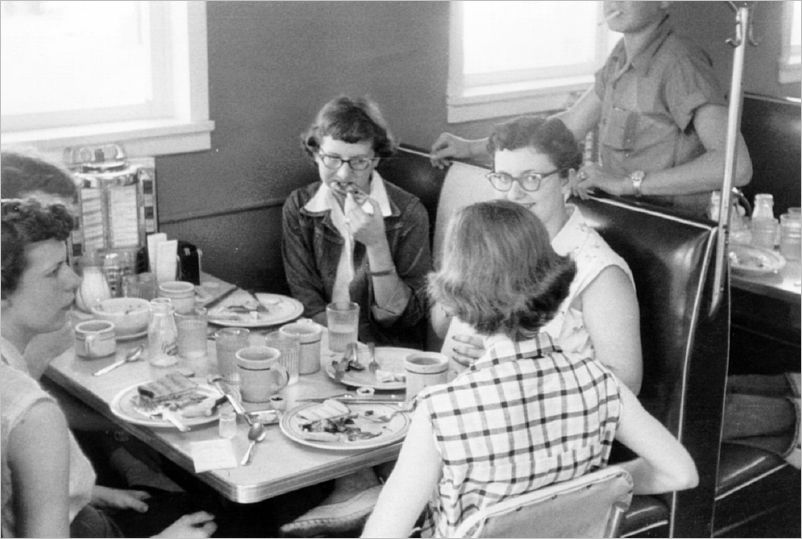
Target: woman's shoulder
(586, 246)
(18, 394)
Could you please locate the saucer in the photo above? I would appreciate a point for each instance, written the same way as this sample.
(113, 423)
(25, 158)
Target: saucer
(132, 336)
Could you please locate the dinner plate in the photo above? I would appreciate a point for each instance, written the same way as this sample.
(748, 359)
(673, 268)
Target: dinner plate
(754, 261)
(389, 358)
(390, 432)
(122, 406)
(281, 309)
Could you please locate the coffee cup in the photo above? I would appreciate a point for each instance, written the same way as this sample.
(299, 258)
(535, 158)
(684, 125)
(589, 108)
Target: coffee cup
(181, 293)
(424, 369)
(95, 338)
(260, 372)
(309, 334)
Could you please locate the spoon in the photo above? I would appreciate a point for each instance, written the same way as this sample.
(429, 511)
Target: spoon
(132, 355)
(256, 434)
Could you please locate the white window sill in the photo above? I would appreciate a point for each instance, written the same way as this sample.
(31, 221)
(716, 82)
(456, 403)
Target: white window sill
(138, 138)
(512, 99)
(790, 71)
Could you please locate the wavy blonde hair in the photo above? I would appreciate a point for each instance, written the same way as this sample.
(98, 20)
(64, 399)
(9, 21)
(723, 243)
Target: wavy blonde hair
(499, 273)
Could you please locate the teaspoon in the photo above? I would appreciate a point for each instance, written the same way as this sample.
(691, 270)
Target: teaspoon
(256, 434)
(132, 355)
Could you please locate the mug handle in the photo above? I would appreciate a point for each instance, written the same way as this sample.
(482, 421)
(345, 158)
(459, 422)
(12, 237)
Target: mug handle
(285, 374)
(89, 344)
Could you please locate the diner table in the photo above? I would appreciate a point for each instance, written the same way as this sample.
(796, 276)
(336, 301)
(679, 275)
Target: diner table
(279, 465)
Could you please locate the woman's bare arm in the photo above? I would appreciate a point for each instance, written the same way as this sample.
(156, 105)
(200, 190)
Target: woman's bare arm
(38, 456)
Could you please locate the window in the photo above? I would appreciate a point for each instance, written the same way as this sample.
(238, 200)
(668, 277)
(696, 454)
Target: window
(791, 56)
(87, 73)
(516, 57)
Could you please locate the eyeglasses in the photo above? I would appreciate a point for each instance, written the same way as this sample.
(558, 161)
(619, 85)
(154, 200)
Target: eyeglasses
(529, 181)
(334, 162)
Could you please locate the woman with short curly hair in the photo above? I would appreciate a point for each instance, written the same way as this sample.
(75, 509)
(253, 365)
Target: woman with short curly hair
(525, 415)
(48, 484)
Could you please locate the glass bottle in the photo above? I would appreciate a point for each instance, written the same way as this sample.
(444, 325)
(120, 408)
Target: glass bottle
(162, 335)
(764, 225)
(94, 287)
(112, 269)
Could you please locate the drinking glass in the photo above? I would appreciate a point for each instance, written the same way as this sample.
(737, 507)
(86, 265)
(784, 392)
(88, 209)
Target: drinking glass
(192, 328)
(227, 342)
(342, 319)
(139, 285)
(290, 348)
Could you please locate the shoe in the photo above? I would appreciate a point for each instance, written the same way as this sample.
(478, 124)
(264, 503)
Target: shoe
(335, 519)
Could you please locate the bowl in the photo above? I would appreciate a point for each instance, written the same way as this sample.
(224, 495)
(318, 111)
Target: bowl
(130, 315)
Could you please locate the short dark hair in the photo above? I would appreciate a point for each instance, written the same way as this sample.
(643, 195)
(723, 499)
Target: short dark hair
(547, 136)
(499, 271)
(352, 121)
(25, 222)
(24, 173)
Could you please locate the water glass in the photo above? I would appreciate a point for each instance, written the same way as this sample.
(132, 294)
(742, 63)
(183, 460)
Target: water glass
(140, 285)
(764, 232)
(342, 319)
(791, 235)
(192, 328)
(227, 342)
(290, 348)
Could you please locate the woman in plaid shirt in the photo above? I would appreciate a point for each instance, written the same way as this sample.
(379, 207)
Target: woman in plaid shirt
(524, 415)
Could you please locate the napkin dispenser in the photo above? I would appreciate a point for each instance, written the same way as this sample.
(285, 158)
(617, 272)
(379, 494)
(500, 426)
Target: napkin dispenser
(189, 262)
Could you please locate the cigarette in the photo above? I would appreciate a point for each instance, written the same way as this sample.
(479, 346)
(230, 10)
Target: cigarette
(611, 15)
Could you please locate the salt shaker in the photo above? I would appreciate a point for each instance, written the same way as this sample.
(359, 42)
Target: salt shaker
(162, 335)
(112, 269)
(227, 424)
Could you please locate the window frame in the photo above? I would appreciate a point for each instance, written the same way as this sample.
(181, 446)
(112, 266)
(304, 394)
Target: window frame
(506, 97)
(179, 122)
(790, 61)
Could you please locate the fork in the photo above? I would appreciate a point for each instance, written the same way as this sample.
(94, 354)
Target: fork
(373, 366)
(385, 418)
(259, 306)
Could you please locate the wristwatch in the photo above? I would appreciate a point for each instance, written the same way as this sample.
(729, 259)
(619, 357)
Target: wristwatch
(637, 179)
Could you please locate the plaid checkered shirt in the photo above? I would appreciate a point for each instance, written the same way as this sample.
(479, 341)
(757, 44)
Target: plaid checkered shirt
(524, 416)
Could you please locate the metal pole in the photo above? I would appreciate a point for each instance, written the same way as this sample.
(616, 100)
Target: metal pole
(733, 125)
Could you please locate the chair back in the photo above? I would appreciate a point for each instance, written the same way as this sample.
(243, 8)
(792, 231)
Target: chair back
(587, 506)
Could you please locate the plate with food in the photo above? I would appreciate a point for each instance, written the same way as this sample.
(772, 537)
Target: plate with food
(390, 376)
(340, 427)
(754, 261)
(172, 400)
(270, 310)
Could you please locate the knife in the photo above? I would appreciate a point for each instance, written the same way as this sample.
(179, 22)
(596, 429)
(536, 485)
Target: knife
(358, 400)
(221, 297)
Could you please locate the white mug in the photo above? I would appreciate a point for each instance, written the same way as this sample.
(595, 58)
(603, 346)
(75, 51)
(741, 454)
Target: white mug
(260, 372)
(95, 338)
(424, 369)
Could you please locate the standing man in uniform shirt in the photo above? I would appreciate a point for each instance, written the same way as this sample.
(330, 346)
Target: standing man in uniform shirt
(661, 115)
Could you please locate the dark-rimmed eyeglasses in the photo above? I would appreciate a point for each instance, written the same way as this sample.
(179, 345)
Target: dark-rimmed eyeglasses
(334, 162)
(529, 181)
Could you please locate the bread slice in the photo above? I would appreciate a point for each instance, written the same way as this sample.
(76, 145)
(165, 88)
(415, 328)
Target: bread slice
(167, 387)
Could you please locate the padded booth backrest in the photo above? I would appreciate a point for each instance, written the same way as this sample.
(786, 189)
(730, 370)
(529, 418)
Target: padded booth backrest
(771, 128)
(685, 345)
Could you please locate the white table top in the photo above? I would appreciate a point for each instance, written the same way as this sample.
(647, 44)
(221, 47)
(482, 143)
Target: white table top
(280, 465)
